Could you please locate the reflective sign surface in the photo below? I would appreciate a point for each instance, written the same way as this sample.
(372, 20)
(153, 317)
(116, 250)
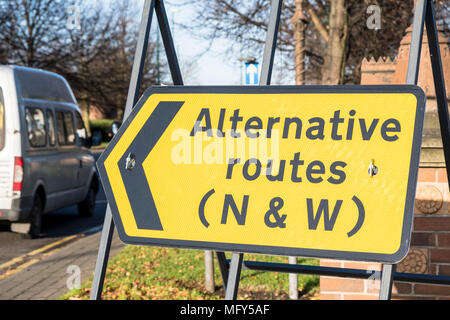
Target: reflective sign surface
(310, 171)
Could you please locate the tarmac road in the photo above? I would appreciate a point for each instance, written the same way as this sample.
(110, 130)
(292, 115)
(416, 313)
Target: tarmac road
(56, 226)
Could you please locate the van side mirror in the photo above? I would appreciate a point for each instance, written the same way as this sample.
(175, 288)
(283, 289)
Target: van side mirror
(86, 142)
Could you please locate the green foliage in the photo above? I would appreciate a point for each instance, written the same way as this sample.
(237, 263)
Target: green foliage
(141, 273)
(103, 125)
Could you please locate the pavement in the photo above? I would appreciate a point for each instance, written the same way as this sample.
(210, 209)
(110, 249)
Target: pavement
(49, 272)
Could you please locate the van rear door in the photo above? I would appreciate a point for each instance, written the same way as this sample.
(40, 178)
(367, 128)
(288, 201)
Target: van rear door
(11, 165)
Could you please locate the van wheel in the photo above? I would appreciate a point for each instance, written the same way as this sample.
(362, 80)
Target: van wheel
(87, 206)
(35, 219)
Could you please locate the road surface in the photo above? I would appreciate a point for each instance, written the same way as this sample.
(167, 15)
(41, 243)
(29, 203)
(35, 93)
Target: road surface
(56, 226)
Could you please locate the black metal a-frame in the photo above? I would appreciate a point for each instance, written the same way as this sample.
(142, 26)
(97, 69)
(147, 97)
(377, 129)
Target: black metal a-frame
(424, 16)
(150, 6)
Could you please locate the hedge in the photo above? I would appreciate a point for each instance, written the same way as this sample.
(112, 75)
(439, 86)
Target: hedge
(103, 125)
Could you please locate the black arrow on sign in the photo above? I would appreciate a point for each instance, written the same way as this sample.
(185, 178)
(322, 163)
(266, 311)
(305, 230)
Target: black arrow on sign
(134, 179)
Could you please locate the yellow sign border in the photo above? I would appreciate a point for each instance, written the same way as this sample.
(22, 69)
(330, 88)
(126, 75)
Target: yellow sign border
(366, 256)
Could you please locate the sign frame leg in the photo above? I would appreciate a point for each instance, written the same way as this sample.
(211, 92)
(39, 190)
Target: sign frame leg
(169, 47)
(387, 280)
(224, 267)
(387, 274)
(234, 276)
(103, 256)
(439, 83)
(150, 6)
(424, 15)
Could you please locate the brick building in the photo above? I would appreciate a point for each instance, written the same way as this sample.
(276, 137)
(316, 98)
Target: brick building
(430, 243)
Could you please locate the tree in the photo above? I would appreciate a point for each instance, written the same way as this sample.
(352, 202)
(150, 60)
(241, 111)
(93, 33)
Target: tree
(102, 54)
(98, 58)
(110, 69)
(337, 36)
(30, 32)
(299, 23)
(334, 60)
(88, 43)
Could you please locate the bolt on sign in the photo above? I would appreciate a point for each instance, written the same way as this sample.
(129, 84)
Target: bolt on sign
(320, 171)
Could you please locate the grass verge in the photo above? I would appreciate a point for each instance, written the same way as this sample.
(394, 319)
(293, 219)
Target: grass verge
(141, 273)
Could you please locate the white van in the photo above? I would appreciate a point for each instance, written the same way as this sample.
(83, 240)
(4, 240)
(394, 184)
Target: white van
(45, 161)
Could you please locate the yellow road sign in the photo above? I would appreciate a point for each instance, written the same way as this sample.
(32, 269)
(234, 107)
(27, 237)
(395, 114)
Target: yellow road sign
(309, 171)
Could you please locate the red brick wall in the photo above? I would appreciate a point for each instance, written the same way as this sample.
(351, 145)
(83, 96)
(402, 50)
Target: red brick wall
(430, 242)
(332, 288)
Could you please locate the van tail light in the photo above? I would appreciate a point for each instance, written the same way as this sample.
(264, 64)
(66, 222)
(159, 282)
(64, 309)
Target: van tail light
(18, 174)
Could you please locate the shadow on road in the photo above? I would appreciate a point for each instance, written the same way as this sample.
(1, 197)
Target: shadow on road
(56, 225)
(66, 222)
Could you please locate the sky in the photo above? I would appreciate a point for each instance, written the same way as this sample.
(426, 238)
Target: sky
(213, 67)
(210, 68)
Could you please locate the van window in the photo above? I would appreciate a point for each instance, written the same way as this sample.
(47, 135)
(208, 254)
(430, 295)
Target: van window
(2, 120)
(43, 85)
(60, 128)
(51, 128)
(81, 130)
(35, 120)
(65, 127)
(70, 127)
